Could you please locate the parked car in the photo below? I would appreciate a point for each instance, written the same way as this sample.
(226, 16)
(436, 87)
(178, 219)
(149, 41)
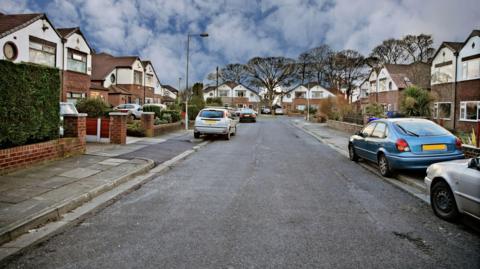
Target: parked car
(265, 110)
(454, 188)
(248, 114)
(279, 111)
(134, 111)
(66, 109)
(218, 121)
(404, 143)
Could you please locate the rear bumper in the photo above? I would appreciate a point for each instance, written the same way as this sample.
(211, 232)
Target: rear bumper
(211, 130)
(420, 162)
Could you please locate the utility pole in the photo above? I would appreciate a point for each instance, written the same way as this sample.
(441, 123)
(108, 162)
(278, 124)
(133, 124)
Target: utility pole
(308, 101)
(216, 90)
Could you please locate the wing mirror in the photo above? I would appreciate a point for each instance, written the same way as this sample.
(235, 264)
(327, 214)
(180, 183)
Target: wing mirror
(359, 133)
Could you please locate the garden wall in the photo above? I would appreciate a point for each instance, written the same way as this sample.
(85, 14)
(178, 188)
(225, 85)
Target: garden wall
(470, 151)
(344, 126)
(165, 128)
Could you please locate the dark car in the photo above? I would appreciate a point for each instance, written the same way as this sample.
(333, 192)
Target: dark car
(406, 143)
(248, 115)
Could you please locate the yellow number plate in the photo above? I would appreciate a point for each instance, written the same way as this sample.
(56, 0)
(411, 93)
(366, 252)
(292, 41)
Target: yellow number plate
(210, 121)
(434, 147)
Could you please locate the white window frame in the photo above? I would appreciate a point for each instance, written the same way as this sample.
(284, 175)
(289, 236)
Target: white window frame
(463, 106)
(436, 106)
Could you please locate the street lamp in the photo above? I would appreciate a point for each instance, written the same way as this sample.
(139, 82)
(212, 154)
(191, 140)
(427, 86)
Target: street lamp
(308, 101)
(186, 75)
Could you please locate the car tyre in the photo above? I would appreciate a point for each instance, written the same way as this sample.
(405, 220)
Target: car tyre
(384, 166)
(196, 135)
(234, 132)
(227, 136)
(443, 201)
(352, 154)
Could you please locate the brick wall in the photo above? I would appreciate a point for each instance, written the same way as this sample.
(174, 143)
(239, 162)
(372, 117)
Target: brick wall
(118, 128)
(137, 91)
(166, 128)
(344, 126)
(466, 91)
(75, 82)
(389, 97)
(444, 92)
(471, 151)
(239, 100)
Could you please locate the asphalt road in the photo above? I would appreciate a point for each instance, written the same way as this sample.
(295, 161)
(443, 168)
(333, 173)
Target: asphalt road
(272, 197)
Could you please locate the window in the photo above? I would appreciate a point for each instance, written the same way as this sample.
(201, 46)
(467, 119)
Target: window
(73, 97)
(289, 95)
(382, 84)
(240, 93)
(210, 94)
(223, 93)
(469, 111)
(301, 107)
(373, 86)
(212, 114)
(42, 52)
(421, 128)
(379, 131)
(299, 94)
(442, 110)
(442, 74)
(368, 130)
(112, 78)
(137, 77)
(149, 79)
(390, 85)
(76, 61)
(317, 94)
(240, 105)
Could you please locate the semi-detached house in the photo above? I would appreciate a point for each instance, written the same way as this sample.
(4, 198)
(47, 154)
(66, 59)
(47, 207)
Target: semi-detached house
(234, 95)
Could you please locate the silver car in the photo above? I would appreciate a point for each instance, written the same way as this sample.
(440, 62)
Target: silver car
(454, 188)
(218, 121)
(134, 111)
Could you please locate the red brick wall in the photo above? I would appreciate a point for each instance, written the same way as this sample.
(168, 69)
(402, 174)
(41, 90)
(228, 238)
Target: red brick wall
(444, 92)
(75, 82)
(389, 97)
(118, 129)
(466, 91)
(137, 91)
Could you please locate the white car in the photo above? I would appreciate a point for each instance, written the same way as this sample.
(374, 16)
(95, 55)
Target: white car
(134, 111)
(218, 121)
(279, 111)
(454, 188)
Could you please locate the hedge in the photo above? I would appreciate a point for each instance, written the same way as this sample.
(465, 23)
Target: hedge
(94, 107)
(153, 108)
(29, 104)
(175, 115)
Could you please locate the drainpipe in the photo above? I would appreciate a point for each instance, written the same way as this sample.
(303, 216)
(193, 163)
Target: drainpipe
(144, 87)
(455, 92)
(62, 70)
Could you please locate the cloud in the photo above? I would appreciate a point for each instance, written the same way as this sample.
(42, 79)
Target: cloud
(241, 29)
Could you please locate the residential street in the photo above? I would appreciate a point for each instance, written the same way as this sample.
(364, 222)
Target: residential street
(271, 197)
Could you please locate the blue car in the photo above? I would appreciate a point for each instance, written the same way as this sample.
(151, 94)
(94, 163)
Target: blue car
(404, 143)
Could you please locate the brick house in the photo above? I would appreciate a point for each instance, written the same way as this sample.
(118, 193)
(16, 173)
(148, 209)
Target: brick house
(77, 63)
(30, 38)
(456, 84)
(122, 76)
(169, 94)
(234, 95)
(152, 84)
(386, 84)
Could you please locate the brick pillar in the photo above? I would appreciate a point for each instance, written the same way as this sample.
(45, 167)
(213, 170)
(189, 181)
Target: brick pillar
(118, 128)
(147, 123)
(75, 125)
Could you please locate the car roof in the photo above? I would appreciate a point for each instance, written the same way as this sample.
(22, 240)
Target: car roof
(215, 109)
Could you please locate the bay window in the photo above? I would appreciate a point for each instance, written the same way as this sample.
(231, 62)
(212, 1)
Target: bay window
(42, 51)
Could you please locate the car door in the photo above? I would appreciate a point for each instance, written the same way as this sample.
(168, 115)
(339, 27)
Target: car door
(467, 183)
(360, 143)
(375, 141)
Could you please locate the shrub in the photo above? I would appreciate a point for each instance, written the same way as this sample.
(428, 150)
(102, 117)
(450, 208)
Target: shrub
(312, 110)
(159, 121)
(167, 118)
(94, 107)
(193, 112)
(135, 129)
(416, 102)
(175, 115)
(214, 101)
(153, 108)
(29, 106)
(374, 110)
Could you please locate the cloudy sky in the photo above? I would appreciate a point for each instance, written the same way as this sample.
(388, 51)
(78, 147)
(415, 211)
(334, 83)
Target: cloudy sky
(241, 29)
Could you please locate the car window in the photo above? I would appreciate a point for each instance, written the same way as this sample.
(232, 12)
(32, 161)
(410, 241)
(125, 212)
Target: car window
(421, 128)
(368, 130)
(212, 114)
(379, 131)
(120, 106)
(129, 106)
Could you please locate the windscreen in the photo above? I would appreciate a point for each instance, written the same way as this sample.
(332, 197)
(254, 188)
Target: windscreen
(421, 128)
(212, 114)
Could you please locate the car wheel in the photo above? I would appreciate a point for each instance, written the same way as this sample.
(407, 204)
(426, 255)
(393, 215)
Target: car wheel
(443, 202)
(383, 166)
(227, 136)
(235, 131)
(196, 135)
(352, 154)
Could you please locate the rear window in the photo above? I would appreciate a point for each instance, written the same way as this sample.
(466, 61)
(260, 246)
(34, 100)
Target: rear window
(212, 114)
(421, 128)
(247, 111)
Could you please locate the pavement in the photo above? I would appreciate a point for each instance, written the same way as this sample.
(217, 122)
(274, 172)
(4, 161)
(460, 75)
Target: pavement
(410, 181)
(30, 198)
(271, 197)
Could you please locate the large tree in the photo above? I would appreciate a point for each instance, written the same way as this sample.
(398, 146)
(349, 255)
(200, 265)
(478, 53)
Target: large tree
(419, 48)
(316, 59)
(351, 69)
(271, 72)
(391, 51)
(230, 72)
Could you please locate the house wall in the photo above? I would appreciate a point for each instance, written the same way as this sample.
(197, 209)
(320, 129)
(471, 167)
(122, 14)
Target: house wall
(93, 93)
(443, 74)
(21, 39)
(117, 99)
(383, 75)
(466, 51)
(444, 92)
(385, 98)
(466, 91)
(74, 82)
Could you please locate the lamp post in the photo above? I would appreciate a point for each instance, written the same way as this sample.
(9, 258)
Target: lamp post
(308, 101)
(186, 75)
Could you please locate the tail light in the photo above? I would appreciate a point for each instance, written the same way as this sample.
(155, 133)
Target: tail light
(402, 145)
(458, 143)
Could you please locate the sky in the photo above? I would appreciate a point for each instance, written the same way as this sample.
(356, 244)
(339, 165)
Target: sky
(238, 30)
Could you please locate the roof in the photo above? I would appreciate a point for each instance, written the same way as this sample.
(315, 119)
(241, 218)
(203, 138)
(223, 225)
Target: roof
(148, 62)
(67, 32)
(454, 46)
(97, 86)
(10, 23)
(114, 89)
(405, 75)
(167, 99)
(209, 88)
(170, 88)
(472, 34)
(103, 64)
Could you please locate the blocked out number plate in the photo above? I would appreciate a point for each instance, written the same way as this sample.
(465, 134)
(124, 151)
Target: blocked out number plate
(434, 147)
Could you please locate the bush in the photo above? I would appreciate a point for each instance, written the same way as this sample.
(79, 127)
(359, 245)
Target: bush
(159, 121)
(214, 101)
(94, 107)
(374, 110)
(193, 112)
(175, 115)
(135, 129)
(153, 108)
(167, 118)
(29, 104)
(415, 102)
(312, 110)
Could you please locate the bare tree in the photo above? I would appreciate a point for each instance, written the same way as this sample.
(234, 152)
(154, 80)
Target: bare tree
(419, 48)
(271, 72)
(317, 59)
(350, 69)
(391, 51)
(333, 70)
(230, 72)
